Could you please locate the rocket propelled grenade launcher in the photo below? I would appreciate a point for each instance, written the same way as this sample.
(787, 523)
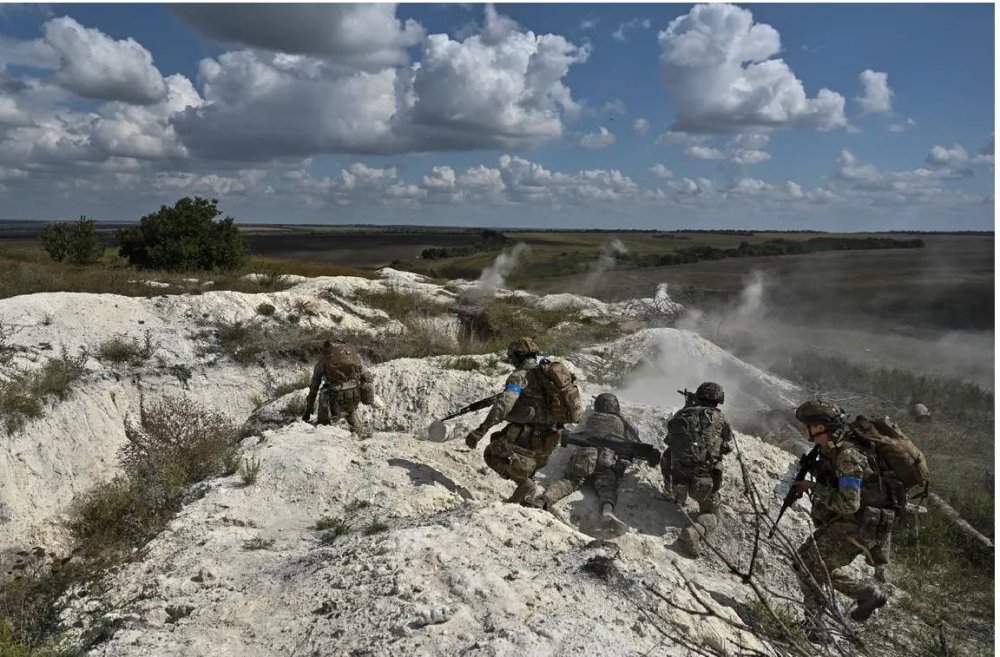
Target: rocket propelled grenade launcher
(438, 432)
(623, 449)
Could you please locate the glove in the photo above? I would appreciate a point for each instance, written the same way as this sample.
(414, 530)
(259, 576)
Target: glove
(473, 438)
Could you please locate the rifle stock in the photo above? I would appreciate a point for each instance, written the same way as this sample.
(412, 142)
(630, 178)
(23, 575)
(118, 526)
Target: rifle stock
(625, 450)
(806, 463)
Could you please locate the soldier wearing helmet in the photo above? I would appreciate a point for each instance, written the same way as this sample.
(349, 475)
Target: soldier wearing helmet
(524, 445)
(345, 385)
(698, 436)
(601, 466)
(850, 510)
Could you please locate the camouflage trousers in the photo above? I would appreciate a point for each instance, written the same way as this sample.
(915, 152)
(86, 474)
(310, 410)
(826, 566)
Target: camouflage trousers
(518, 451)
(601, 467)
(825, 555)
(704, 488)
(332, 409)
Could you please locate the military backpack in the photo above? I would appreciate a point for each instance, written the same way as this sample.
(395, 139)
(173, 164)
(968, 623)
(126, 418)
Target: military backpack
(563, 403)
(341, 365)
(897, 450)
(694, 437)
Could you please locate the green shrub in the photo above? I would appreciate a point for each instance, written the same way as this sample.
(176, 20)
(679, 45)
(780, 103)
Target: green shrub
(265, 309)
(75, 243)
(249, 470)
(22, 397)
(185, 237)
(121, 349)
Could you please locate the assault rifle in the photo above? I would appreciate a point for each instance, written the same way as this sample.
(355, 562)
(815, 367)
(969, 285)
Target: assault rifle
(624, 450)
(437, 432)
(689, 398)
(806, 463)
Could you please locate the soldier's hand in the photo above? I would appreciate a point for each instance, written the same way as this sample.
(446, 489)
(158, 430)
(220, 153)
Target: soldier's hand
(803, 486)
(473, 438)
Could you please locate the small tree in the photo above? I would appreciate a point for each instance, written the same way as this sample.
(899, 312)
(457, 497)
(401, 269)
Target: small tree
(184, 237)
(85, 247)
(78, 243)
(55, 240)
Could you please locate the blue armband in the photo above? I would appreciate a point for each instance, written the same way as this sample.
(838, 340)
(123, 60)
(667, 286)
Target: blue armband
(513, 387)
(849, 482)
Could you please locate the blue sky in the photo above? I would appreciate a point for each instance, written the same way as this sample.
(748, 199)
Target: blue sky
(522, 114)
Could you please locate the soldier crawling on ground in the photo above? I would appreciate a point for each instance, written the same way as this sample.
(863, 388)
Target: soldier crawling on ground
(539, 398)
(599, 465)
(345, 384)
(698, 436)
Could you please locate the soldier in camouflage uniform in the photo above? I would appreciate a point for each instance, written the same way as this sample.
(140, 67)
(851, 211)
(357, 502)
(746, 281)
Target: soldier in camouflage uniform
(524, 445)
(851, 509)
(698, 436)
(347, 384)
(601, 466)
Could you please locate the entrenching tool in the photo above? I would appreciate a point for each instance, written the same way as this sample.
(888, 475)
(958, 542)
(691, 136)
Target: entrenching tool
(437, 431)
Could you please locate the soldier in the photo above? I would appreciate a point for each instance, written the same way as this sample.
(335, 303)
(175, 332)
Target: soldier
(534, 424)
(347, 384)
(698, 436)
(601, 466)
(851, 509)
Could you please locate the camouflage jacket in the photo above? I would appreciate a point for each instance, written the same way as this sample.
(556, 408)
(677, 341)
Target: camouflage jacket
(522, 400)
(847, 480)
(603, 425)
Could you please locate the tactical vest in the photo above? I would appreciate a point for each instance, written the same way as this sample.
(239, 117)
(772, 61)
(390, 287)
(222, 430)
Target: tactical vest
(530, 405)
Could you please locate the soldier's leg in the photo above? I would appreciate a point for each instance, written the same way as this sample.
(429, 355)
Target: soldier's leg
(324, 411)
(705, 491)
(354, 421)
(512, 462)
(581, 466)
(824, 556)
(881, 552)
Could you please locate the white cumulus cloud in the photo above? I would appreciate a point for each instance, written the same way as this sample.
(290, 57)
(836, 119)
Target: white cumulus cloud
(876, 95)
(640, 127)
(93, 65)
(717, 69)
(939, 156)
(660, 171)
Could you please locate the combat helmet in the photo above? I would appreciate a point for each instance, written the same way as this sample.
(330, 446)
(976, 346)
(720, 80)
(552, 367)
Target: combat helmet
(820, 411)
(520, 349)
(607, 403)
(710, 392)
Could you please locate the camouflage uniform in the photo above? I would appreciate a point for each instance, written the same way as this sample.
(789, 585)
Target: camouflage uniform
(602, 466)
(701, 480)
(852, 509)
(342, 394)
(523, 447)
(847, 481)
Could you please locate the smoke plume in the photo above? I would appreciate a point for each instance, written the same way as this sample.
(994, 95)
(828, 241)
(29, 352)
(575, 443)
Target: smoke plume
(493, 277)
(606, 261)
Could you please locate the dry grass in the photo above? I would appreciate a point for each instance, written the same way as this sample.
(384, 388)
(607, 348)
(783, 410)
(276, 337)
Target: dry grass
(23, 395)
(25, 268)
(176, 444)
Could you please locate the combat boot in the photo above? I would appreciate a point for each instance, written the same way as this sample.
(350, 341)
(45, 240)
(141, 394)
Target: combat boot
(690, 539)
(526, 490)
(882, 574)
(609, 525)
(867, 604)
